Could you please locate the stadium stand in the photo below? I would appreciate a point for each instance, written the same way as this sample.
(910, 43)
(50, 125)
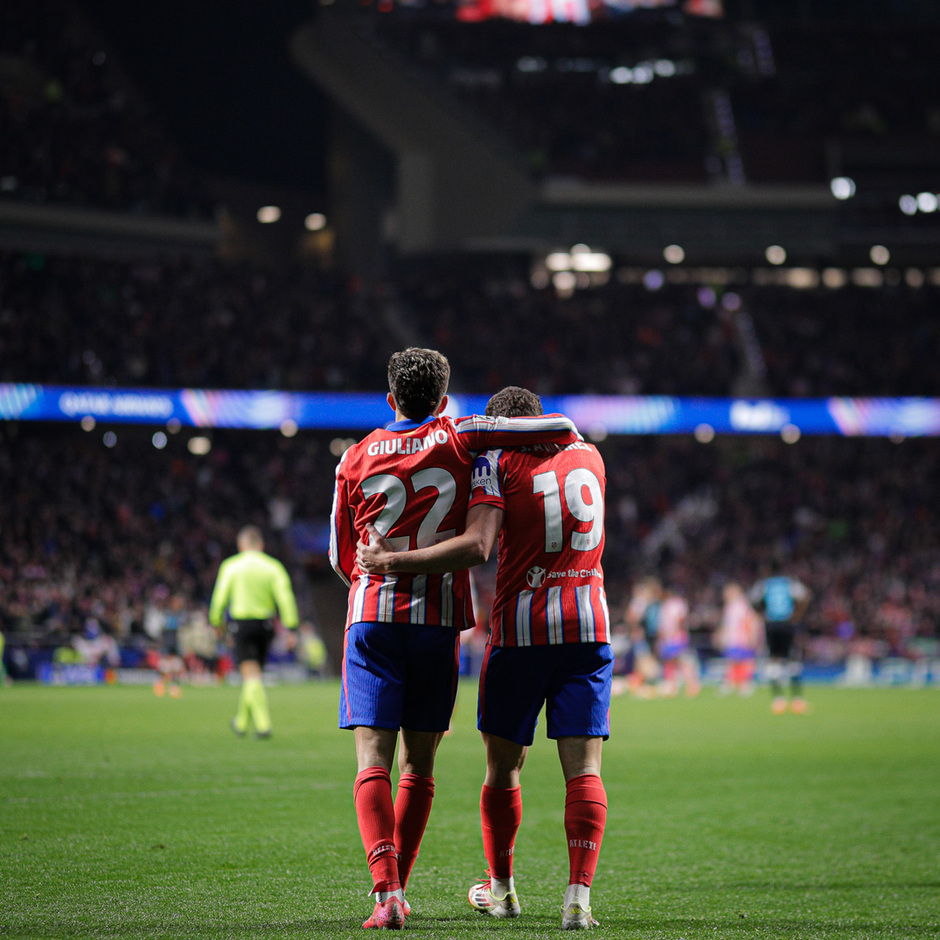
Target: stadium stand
(92, 532)
(636, 99)
(72, 129)
(99, 322)
(111, 531)
(118, 535)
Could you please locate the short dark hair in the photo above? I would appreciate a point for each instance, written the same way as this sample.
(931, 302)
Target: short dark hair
(514, 402)
(251, 535)
(418, 378)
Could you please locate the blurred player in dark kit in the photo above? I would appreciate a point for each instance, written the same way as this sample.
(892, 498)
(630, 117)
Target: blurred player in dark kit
(783, 600)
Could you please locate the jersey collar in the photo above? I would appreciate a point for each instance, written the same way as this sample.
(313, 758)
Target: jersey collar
(406, 424)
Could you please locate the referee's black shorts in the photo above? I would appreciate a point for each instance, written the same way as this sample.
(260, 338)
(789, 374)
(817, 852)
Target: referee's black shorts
(252, 639)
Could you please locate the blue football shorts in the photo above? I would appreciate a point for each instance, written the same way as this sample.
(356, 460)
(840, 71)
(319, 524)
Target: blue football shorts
(571, 680)
(399, 675)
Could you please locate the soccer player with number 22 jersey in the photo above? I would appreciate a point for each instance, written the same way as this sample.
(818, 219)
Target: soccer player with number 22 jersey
(411, 482)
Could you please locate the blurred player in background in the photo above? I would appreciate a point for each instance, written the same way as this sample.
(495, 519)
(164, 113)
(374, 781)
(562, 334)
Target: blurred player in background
(4, 678)
(783, 600)
(679, 663)
(96, 646)
(253, 587)
(739, 637)
(410, 480)
(170, 662)
(549, 642)
(643, 620)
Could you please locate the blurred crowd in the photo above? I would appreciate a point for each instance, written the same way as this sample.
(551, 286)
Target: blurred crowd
(116, 540)
(98, 322)
(563, 98)
(854, 520)
(72, 130)
(665, 100)
(124, 542)
(848, 84)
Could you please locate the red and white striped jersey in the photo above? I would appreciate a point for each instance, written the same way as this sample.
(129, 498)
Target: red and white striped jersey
(549, 581)
(740, 626)
(412, 482)
(673, 618)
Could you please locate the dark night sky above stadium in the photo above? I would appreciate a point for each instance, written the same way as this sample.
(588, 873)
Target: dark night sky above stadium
(219, 76)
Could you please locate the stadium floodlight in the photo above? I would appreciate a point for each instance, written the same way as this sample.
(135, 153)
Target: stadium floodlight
(868, 277)
(531, 64)
(802, 278)
(269, 214)
(199, 445)
(558, 261)
(540, 278)
(842, 187)
(590, 261)
(564, 282)
(707, 298)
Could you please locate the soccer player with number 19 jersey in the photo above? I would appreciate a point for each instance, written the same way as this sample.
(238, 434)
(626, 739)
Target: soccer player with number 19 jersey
(549, 642)
(411, 481)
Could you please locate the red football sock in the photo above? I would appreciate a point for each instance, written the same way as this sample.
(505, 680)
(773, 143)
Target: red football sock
(585, 817)
(372, 795)
(501, 815)
(412, 808)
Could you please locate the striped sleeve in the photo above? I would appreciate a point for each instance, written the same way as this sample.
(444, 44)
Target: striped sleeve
(479, 432)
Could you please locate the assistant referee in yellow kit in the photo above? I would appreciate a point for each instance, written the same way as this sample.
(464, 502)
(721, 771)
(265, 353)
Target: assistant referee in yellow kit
(252, 587)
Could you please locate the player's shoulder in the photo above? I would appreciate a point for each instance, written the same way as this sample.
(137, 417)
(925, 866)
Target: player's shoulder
(583, 452)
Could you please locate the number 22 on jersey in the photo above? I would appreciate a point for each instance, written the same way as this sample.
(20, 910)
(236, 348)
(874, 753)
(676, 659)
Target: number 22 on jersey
(402, 507)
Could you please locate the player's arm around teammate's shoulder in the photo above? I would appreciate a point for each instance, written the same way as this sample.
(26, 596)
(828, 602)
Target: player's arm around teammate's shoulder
(470, 548)
(481, 432)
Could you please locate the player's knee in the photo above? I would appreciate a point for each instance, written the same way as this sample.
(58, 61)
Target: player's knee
(417, 752)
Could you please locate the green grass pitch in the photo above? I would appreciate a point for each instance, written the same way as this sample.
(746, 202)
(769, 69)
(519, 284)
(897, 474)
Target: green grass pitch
(125, 815)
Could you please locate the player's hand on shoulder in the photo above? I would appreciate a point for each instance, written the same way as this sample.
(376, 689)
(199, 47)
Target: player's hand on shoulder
(374, 557)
